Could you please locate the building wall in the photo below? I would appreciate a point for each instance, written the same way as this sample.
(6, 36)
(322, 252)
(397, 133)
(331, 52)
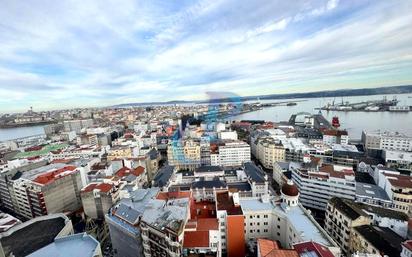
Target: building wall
(235, 236)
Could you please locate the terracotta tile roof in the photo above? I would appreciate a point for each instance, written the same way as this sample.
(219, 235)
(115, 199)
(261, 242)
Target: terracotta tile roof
(125, 171)
(51, 176)
(207, 224)
(196, 239)
(269, 248)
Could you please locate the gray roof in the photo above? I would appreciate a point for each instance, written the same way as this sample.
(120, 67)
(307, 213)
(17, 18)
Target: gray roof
(209, 168)
(166, 214)
(130, 209)
(215, 183)
(254, 173)
(79, 245)
(371, 190)
(241, 186)
(163, 176)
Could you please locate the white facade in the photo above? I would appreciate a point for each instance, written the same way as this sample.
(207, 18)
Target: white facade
(317, 186)
(231, 154)
(387, 140)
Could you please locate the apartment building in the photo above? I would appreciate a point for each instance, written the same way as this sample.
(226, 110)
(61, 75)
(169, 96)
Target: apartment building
(162, 224)
(397, 159)
(77, 125)
(184, 154)
(333, 136)
(387, 141)
(45, 190)
(376, 240)
(340, 219)
(98, 198)
(229, 153)
(285, 221)
(231, 224)
(343, 215)
(318, 182)
(397, 186)
(269, 151)
(406, 249)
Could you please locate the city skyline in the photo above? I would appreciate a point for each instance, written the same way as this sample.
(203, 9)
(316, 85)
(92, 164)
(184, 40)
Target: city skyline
(61, 55)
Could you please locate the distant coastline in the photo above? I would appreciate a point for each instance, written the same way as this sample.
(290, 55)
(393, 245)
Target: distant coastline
(405, 89)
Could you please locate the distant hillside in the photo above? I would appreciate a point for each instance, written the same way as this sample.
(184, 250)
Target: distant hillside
(331, 93)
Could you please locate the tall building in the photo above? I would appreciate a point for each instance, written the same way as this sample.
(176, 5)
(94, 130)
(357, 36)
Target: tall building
(285, 221)
(269, 151)
(231, 220)
(343, 215)
(77, 125)
(184, 154)
(386, 141)
(124, 223)
(98, 198)
(46, 190)
(319, 182)
(229, 153)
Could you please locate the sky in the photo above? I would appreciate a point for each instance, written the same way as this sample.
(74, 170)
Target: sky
(64, 54)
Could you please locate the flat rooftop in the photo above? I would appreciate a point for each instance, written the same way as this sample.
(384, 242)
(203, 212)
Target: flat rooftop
(79, 245)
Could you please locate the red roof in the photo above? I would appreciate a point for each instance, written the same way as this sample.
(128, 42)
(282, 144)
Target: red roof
(196, 239)
(125, 171)
(103, 187)
(408, 245)
(51, 176)
(173, 195)
(401, 181)
(320, 250)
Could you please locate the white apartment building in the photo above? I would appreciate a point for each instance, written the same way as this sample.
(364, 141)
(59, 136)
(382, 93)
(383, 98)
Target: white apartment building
(318, 183)
(288, 222)
(229, 153)
(397, 159)
(387, 140)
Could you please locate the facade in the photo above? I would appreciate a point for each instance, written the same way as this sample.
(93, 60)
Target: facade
(98, 198)
(285, 221)
(77, 125)
(387, 141)
(397, 159)
(332, 136)
(124, 220)
(376, 240)
(269, 151)
(231, 224)
(162, 225)
(46, 190)
(398, 187)
(184, 154)
(318, 183)
(230, 153)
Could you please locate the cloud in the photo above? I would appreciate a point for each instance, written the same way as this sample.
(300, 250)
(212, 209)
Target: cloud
(101, 53)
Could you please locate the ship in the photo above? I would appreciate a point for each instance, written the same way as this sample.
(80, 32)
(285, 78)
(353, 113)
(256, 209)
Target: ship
(335, 122)
(398, 108)
(291, 104)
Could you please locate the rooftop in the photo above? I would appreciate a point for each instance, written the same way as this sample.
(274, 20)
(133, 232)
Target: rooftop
(79, 245)
(371, 190)
(51, 176)
(254, 173)
(312, 249)
(163, 175)
(225, 202)
(102, 187)
(384, 239)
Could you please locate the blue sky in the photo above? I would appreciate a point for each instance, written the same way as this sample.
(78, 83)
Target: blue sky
(62, 54)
